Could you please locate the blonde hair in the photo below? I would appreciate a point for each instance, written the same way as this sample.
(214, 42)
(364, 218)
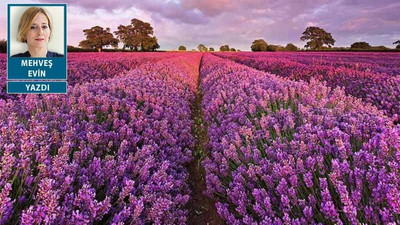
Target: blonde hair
(26, 21)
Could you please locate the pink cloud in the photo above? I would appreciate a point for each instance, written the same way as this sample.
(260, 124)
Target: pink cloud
(210, 7)
(354, 24)
(237, 22)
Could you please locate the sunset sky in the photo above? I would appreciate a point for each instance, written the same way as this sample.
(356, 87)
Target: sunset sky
(236, 22)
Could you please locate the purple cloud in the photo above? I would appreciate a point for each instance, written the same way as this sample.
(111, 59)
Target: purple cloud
(239, 22)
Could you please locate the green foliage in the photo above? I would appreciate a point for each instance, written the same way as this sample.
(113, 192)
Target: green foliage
(224, 48)
(182, 48)
(271, 48)
(71, 48)
(97, 38)
(317, 37)
(259, 45)
(232, 50)
(291, 47)
(137, 35)
(202, 48)
(125, 35)
(275, 48)
(380, 48)
(348, 49)
(150, 44)
(211, 49)
(360, 45)
(397, 43)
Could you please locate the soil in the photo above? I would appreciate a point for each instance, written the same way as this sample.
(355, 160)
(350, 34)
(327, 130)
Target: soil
(202, 210)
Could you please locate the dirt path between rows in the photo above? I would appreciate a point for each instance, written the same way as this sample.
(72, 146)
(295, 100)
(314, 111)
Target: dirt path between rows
(202, 210)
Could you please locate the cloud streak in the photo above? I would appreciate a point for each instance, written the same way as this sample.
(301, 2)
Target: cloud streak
(239, 22)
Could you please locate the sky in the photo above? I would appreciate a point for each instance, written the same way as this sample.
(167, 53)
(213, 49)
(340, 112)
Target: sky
(234, 22)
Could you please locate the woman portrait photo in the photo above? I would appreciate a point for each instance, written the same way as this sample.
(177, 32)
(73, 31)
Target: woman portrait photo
(35, 28)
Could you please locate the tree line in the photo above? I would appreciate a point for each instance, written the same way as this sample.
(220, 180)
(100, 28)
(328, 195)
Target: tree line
(317, 39)
(136, 36)
(203, 48)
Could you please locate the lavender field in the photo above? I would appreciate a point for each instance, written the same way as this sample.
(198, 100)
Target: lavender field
(289, 138)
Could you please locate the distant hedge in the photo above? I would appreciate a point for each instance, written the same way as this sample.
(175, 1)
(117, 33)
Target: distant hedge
(346, 49)
(75, 49)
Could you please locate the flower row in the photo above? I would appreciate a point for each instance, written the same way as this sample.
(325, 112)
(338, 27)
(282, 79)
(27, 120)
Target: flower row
(111, 151)
(296, 153)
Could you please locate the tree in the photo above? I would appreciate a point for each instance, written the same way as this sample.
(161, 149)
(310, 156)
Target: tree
(397, 43)
(137, 35)
(202, 48)
(150, 44)
(360, 45)
(123, 34)
(317, 38)
(182, 48)
(275, 48)
(259, 45)
(142, 35)
(97, 38)
(232, 50)
(71, 48)
(211, 49)
(224, 48)
(381, 48)
(291, 47)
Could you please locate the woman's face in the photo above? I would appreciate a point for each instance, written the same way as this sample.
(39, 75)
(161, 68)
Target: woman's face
(39, 32)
